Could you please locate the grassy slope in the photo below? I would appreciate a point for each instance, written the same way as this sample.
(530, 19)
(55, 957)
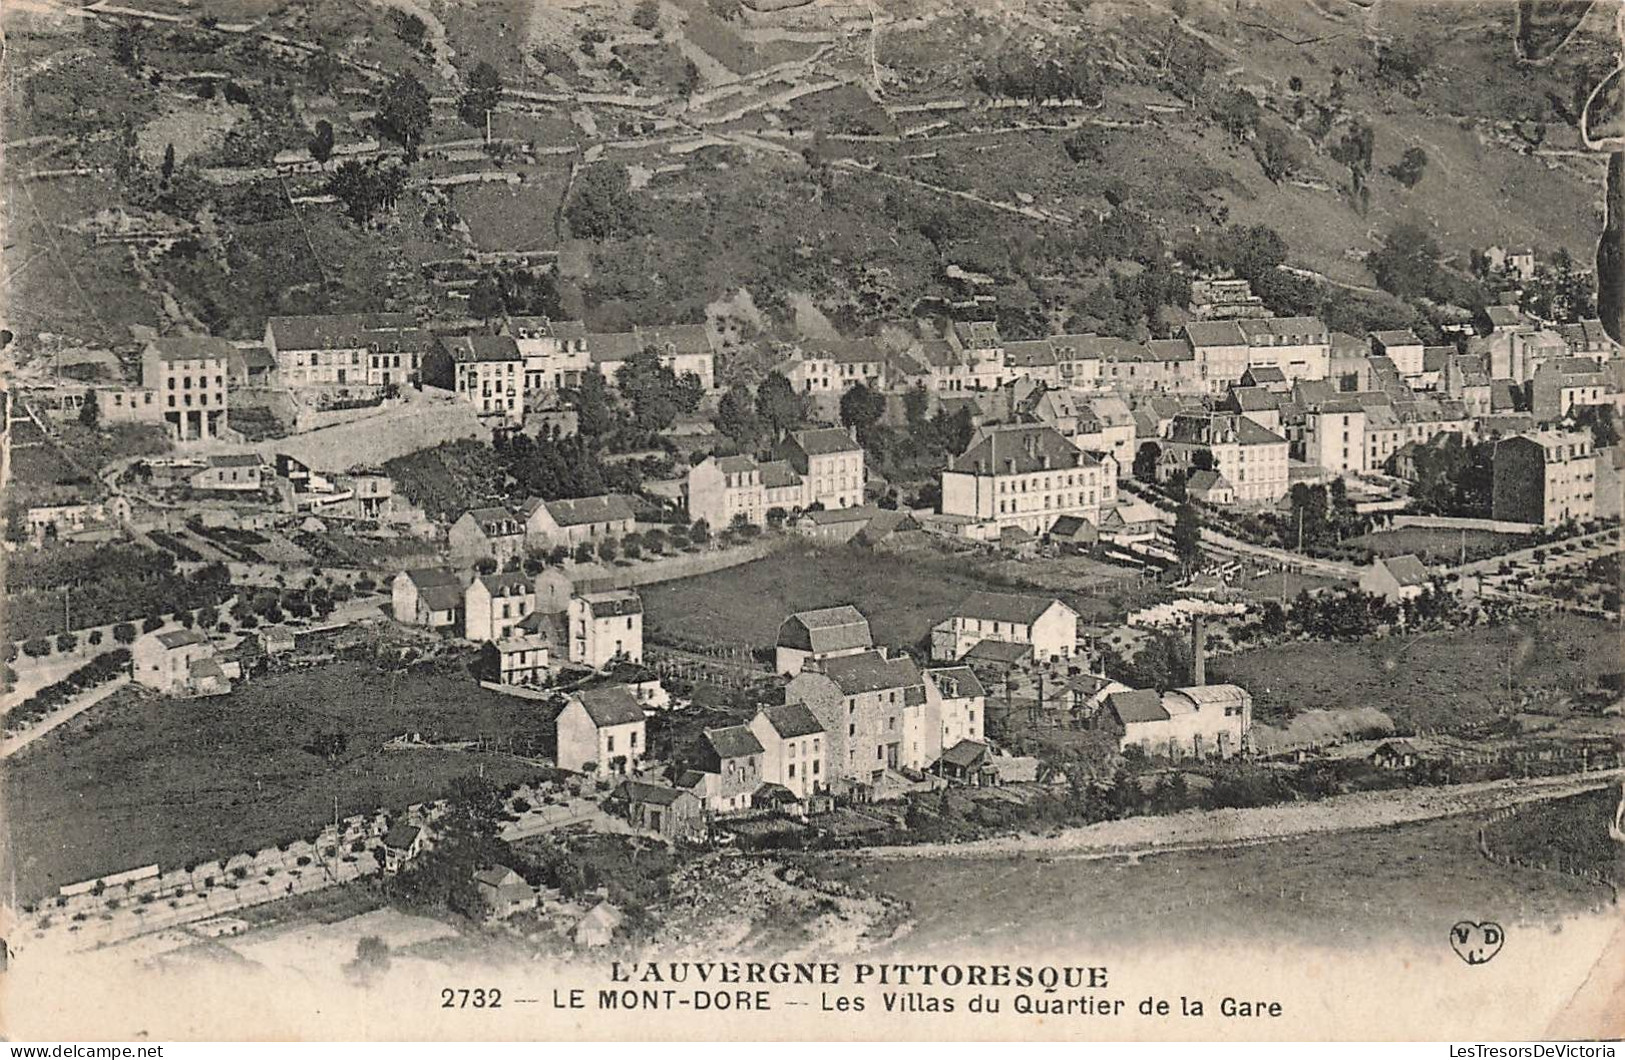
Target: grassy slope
(1392, 884)
(1433, 681)
(169, 780)
(1573, 830)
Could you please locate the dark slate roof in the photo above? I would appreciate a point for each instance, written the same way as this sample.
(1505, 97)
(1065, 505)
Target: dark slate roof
(610, 705)
(441, 597)
(1002, 652)
(643, 791)
(511, 583)
(825, 630)
(497, 521)
(336, 330)
(821, 441)
(401, 835)
(1215, 333)
(1029, 353)
(1407, 569)
(1019, 451)
(424, 577)
(1068, 526)
(193, 348)
(482, 348)
(180, 638)
(966, 754)
(1399, 337)
(871, 672)
(1254, 399)
(792, 720)
(1202, 481)
(609, 507)
(1137, 704)
(961, 680)
(734, 741)
(1004, 607)
(1264, 373)
(777, 474)
(613, 604)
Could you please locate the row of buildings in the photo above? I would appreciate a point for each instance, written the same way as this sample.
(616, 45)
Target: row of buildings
(818, 468)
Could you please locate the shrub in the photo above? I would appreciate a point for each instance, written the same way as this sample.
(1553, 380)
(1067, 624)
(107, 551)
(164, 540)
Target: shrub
(66, 642)
(36, 647)
(124, 633)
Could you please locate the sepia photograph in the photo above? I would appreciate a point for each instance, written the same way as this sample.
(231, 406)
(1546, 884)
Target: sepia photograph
(812, 520)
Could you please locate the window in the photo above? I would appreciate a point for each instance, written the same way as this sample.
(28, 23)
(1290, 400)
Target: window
(609, 744)
(634, 739)
(816, 764)
(792, 773)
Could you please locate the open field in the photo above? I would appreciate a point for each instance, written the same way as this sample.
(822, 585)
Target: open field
(145, 779)
(1437, 680)
(1369, 887)
(1573, 831)
(1439, 546)
(902, 596)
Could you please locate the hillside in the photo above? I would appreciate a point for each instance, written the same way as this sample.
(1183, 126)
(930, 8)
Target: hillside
(817, 148)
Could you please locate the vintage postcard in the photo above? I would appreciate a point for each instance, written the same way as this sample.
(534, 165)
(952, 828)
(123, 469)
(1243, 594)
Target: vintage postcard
(812, 519)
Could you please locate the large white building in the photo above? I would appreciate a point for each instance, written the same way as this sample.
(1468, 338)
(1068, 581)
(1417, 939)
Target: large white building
(1027, 477)
(1045, 627)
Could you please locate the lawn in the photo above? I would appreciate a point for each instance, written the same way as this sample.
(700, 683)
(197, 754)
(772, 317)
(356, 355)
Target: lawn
(1439, 680)
(145, 779)
(1384, 885)
(902, 596)
(1573, 831)
(1435, 546)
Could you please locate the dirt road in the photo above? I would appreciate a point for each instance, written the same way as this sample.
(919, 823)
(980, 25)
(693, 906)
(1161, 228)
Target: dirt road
(1200, 829)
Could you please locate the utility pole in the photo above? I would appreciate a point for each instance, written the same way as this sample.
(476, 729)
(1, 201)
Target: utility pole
(1300, 529)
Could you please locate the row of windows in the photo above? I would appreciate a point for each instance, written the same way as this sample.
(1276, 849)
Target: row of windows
(202, 382)
(609, 742)
(1062, 500)
(1034, 483)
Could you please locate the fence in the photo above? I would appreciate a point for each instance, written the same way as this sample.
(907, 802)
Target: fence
(1556, 864)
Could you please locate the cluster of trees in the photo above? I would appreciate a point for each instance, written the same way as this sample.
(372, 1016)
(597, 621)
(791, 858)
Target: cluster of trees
(515, 292)
(102, 585)
(100, 670)
(657, 394)
(1020, 72)
(365, 188)
(773, 411)
(1324, 513)
(601, 205)
(1410, 264)
(921, 447)
(467, 839)
(568, 467)
(1454, 477)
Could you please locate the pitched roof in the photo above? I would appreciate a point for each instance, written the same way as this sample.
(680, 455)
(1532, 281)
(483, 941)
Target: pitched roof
(613, 603)
(1204, 481)
(510, 583)
(955, 682)
(966, 754)
(180, 638)
(1137, 704)
(792, 720)
(335, 330)
(1312, 328)
(1254, 399)
(192, 348)
(821, 441)
(401, 835)
(1019, 451)
(441, 597)
(496, 876)
(825, 630)
(1169, 350)
(1264, 373)
(1068, 526)
(1407, 569)
(482, 348)
(871, 671)
(778, 474)
(581, 511)
(609, 705)
(1396, 337)
(733, 741)
(1029, 353)
(1002, 652)
(1215, 333)
(643, 791)
(540, 327)
(1005, 607)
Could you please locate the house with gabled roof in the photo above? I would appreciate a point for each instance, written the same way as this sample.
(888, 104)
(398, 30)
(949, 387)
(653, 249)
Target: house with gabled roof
(1251, 457)
(180, 662)
(674, 813)
(606, 627)
(820, 634)
(487, 371)
(427, 596)
(686, 349)
(792, 740)
(495, 604)
(549, 524)
(861, 701)
(1210, 487)
(1045, 627)
(1203, 721)
(503, 891)
(1026, 476)
(1395, 578)
(956, 709)
(601, 730)
(731, 758)
(486, 533)
(346, 349)
(831, 464)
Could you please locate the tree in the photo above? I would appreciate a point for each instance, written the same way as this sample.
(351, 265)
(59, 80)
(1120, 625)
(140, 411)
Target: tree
(356, 184)
(485, 300)
(124, 633)
(1410, 167)
(916, 402)
(403, 112)
(1237, 112)
(736, 416)
(167, 169)
(324, 69)
(1407, 263)
(601, 204)
(584, 552)
(321, 144)
(481, 96)
(90, 412)
(778, 405)
(1275, 153)
(657, 395)
(1146, 459)
(646, 16)
(1188, 535)
(608, 550)
(66, 642)
(595, 411)
(861, 409)
(1087, 144)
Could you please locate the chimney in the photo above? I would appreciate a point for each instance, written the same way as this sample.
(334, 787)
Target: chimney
(1198, 645)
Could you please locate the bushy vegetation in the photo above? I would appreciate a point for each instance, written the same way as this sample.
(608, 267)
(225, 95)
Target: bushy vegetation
(102, 585)
(98, 671)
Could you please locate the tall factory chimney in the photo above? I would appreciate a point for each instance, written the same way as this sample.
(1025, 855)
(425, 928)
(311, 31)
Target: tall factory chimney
(1198, 646)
